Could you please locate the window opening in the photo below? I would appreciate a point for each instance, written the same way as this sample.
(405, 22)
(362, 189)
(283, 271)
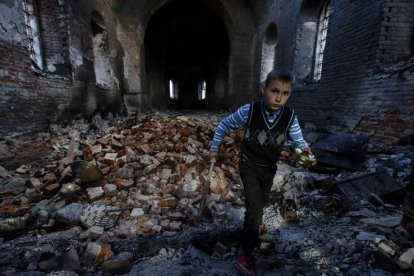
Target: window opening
(202, 90)
(33, 33)
(173, 89)
(321, 40)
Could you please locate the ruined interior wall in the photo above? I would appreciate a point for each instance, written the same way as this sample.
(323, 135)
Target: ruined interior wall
(242, 51)
(32, 98)
(95, 97)
(54, 34)
(357, 91)
(29, 98)
(285, 15)
(396, 41)
(131, 41)
(367, 73)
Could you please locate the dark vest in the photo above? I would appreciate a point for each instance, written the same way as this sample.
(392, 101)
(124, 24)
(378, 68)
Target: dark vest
(262, 140)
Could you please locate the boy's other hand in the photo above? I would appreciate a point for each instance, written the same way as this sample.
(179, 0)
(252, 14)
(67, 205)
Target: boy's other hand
(308, 150)
(285, 153)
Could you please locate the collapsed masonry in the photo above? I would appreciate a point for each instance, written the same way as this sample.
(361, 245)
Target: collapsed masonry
(154, 168)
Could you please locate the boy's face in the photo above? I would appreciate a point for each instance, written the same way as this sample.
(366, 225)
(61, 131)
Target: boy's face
(276, 94)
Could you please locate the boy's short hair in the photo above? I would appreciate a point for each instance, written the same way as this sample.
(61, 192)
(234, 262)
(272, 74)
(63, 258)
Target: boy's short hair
(280, 75)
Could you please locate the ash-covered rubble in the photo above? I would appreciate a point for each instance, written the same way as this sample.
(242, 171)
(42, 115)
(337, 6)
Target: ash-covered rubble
(123, 196)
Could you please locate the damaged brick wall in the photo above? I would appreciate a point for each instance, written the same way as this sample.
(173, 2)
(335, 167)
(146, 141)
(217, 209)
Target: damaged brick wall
(25, 105)
(367, 73)
(397, 34)
(55, 37)
(32, 98)
(357, 92)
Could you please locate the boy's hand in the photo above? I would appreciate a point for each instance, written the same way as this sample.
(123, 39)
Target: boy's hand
(308, 150)
(213, 156)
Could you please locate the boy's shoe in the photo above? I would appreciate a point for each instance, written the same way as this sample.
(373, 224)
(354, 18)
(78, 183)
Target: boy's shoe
(247, 265)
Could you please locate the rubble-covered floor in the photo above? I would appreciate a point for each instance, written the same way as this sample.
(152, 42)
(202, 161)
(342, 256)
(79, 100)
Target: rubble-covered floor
(154, 166)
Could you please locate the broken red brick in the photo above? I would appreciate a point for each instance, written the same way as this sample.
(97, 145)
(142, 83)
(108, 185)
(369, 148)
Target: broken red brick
(146, 148)
(110, 158)
(51, 189)
(34, 183)
(169, 202)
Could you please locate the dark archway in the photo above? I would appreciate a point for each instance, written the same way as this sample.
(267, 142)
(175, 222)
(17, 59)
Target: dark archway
(186, 44)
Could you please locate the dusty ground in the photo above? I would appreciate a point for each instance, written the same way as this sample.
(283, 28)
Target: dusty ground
(321, 241)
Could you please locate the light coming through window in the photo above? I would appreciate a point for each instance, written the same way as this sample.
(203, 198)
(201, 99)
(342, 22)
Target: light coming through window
(33, 33)
(321, 40)
(173, 89)
(202, 90)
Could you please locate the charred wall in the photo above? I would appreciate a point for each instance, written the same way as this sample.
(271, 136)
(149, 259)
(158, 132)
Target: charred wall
(358, 90)
(64, 84)
(367, 75)
(365, 85)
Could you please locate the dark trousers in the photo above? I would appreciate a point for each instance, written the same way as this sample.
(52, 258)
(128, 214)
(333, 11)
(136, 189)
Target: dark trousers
(257, 182)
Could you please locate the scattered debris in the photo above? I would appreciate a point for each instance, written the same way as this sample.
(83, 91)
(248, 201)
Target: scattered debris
(365, 187)
(124, 198)
(345, 151)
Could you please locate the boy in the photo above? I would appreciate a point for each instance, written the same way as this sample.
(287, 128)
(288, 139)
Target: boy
(267, 124)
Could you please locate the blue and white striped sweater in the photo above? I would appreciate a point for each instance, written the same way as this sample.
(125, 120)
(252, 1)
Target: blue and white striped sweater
(239, 119)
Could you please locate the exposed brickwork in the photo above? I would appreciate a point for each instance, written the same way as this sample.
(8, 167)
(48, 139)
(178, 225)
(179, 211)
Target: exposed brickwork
(367, 78)
(356, 92)
(32, 99)
(55, 37)
(396, 37)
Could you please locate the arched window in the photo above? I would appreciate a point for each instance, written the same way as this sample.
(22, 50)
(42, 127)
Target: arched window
(268, 51)
(202, 90)
(33, 33)
(321, 39)
(173, 89)
(47, 35)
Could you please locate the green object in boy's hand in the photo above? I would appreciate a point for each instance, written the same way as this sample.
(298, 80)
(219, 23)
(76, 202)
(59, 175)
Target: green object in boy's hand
(304, 158)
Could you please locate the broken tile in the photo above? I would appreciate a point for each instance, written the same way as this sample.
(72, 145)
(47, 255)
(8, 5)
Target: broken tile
(407, 257)
(146, 148)
(149, 169)
(110, 158)
(98, 253)
(22, 169)
(169, 202)
(51, 189)
(93, 233)
(110, 190)
(137, 213)
(95, 193)
(34, 183)
(96, 149)
(165, 174)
